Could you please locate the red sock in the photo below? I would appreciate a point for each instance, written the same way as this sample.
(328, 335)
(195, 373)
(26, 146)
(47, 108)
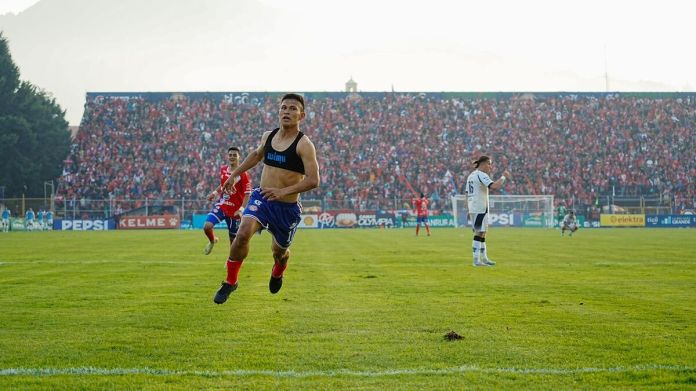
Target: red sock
(417, 229)
(278, 269)
(427, 228)
(210, 234)
(233, 270)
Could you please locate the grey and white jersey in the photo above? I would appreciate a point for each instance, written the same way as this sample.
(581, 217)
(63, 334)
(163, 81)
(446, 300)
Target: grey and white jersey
(569, 219)
(477, 185)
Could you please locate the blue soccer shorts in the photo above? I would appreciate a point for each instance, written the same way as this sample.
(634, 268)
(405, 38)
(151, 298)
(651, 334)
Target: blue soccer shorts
(216, 215)
(279, 218)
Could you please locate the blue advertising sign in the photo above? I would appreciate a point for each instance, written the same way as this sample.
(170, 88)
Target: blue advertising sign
(84, 225)
(199, 222)
(495, 219)
(386, 219)
(670, 221)
(443, 220)
(186, 224)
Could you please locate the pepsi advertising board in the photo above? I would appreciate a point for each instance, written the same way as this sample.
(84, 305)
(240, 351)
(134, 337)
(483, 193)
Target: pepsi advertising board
(84, 225)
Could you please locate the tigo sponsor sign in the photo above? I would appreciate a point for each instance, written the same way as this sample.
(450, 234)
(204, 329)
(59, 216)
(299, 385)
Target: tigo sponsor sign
(672, 221)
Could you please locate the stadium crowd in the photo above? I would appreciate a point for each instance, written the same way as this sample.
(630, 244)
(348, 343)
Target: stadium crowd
(373, 148)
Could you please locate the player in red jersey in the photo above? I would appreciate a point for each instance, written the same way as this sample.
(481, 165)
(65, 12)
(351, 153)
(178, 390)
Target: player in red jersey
(421, 207)
(230, 204)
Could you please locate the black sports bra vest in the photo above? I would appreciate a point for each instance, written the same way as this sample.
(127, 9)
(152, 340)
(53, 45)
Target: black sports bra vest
(287, 159)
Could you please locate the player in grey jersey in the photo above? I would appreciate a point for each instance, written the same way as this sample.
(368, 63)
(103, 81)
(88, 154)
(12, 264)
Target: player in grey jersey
(569, 223)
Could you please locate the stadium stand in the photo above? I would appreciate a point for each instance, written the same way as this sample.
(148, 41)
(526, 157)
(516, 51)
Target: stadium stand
(379, 146)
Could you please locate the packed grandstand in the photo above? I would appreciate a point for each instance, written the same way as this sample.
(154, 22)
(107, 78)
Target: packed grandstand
(376, 147)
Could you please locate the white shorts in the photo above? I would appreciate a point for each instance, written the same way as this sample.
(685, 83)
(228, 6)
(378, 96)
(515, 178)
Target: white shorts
(479, 222)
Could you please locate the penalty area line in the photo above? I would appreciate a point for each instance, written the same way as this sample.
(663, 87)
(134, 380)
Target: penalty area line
(86, 371)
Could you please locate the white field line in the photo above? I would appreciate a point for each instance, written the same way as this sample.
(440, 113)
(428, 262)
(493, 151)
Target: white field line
(83, 371)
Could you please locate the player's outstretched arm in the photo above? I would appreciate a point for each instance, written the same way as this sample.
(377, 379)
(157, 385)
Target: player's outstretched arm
(252, 159)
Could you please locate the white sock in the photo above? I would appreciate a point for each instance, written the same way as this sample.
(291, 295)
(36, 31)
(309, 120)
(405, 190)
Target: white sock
(484, 254)
(476, 249)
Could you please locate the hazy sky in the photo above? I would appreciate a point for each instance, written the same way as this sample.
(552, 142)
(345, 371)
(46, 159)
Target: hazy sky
(316, 45)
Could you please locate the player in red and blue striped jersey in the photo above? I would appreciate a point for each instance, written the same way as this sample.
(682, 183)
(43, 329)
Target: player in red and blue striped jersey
(230, 203)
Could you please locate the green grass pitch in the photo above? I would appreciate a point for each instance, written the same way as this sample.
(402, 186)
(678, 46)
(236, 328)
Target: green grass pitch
(359, 309)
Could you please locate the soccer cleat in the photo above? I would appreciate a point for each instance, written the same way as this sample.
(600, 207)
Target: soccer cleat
(488, 262)
(224, 292)
(481, 264)
(209, 246)
(275, 284)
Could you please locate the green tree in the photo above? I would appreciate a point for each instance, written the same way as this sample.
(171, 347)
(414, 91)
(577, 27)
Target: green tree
(34, 135)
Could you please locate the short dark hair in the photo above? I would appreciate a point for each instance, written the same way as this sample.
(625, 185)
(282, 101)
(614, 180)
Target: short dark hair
(480, 160)
(296, 97)
(422, 195)
(233, 149)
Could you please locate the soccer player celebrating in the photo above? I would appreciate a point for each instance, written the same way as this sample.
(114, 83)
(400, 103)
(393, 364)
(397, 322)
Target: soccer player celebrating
(49, 219)
(40, 219)
(29, 219)
(569, 223)
(290, 168)
(477, 185)
(230, 203)
(421, 207)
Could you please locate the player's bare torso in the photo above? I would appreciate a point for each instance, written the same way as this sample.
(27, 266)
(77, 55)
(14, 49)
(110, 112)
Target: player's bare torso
(274, 177)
